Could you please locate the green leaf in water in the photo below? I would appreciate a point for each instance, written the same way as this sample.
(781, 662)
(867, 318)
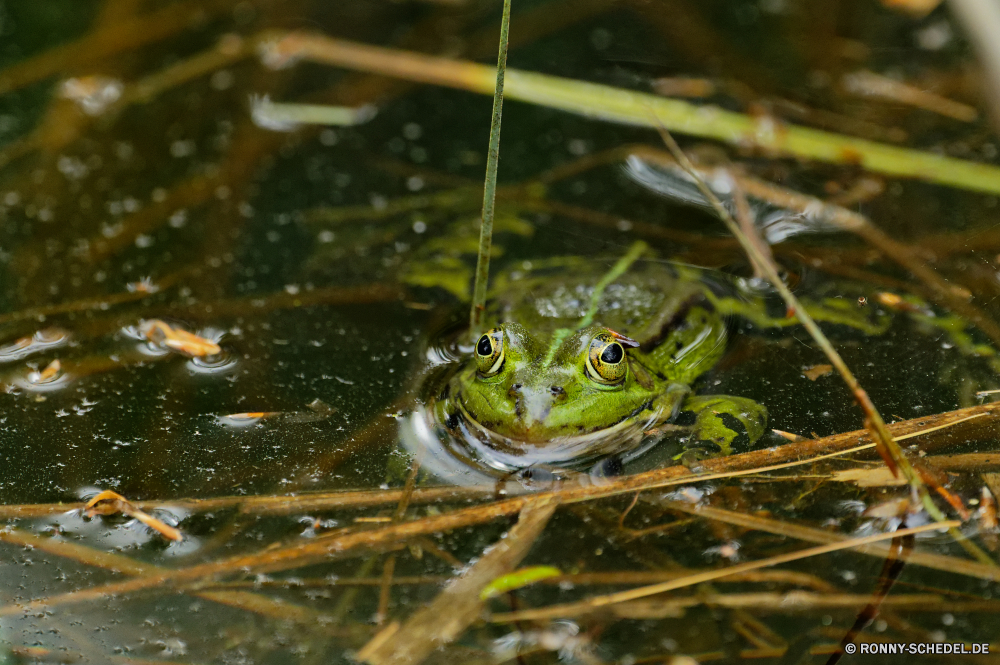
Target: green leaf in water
(517, 579)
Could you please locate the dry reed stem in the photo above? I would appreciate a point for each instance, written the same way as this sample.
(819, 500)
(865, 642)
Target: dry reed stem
(940, 562)
(979, 422)
(390, 563)
(939, 290)
(109, 40)
(343, 543)
(886, 446)
(981, 22)
(636, 108)
(283, 558)
(942, 292)
(607, 578)
(596, 603)
(864, 83)
(198, 190)
(791, 602)
(455, 608)
(116, 563)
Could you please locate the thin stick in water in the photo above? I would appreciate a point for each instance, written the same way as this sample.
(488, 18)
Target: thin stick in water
(490, 188)
(886, 446)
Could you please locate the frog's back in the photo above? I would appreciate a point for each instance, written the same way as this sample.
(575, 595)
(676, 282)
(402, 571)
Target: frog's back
(559, 294)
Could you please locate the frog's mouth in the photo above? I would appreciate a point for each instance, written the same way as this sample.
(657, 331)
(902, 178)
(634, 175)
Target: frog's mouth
(571, 451)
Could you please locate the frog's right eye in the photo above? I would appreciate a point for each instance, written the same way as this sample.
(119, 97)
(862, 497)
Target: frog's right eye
(489, 353)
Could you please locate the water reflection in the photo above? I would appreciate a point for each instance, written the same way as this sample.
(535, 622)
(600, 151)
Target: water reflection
(292, 261)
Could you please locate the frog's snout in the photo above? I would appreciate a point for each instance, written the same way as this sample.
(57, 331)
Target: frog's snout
(533, 404)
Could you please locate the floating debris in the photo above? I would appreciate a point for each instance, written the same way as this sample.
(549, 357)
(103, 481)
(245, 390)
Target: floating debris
(110, 503)
(317, 410)
(47, 338)
(870, 84)
(144, 285)
(915, 8)
(900, 304)
(94, 94)
(794, 438)
(281, 117)
(47, 375)
(177, 339)
(880, 476)
(244, 419)
(517, 579)
(816, 371)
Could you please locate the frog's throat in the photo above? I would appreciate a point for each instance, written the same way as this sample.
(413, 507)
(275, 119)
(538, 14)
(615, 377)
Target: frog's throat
(504, 452)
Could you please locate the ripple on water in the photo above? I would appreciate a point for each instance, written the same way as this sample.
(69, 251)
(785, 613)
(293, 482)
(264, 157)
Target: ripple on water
(41, 381)
(242, 419)
(47, 338)
(144, 346)
(117, 531)
(220, 363)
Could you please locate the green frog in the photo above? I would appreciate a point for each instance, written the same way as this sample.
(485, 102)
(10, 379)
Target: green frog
(582, 365)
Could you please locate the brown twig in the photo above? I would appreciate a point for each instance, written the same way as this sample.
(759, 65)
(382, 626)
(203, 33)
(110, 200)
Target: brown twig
(455, 608)
(595, 603)
(969, 424)
(889, 450)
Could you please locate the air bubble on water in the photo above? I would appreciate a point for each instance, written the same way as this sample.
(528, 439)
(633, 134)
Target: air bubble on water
(222, 80)
(178, 219)
(934, 37)
(412, 131)
(182, 148)
(328, 137)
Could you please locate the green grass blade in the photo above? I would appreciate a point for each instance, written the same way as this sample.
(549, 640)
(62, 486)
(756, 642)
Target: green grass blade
(490, 188)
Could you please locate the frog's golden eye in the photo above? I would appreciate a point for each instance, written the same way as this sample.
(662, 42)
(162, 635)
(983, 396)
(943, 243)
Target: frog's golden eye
(606, 362)
(489, 352)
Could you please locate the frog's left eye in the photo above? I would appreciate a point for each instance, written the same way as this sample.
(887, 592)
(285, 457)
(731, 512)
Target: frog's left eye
(606, 362)
(490, 353)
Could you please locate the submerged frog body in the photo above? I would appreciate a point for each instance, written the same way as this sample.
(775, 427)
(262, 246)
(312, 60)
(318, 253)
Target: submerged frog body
(575, 368)
(583, 364)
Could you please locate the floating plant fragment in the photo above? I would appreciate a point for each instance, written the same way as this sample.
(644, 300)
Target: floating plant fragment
(816, 371)
(177, 339)
(316, 410)
(47, 338)
(247, 418)
(94, 94)
(517, 579)
(144, 285)
(109, 503)
(879, 476)
(50, 373)
(281, 117)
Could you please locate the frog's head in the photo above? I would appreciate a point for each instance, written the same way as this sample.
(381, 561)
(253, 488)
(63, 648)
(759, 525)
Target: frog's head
(541, 392)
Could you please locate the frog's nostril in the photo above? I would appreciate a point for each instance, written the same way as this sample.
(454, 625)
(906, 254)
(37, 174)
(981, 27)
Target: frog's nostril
(557, 391)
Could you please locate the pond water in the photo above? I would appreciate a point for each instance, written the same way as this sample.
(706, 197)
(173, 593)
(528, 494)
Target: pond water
(140, 200)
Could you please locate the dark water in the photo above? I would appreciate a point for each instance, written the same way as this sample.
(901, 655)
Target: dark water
(321, 327)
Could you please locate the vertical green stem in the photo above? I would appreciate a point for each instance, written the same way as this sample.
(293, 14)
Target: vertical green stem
(490, 189)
